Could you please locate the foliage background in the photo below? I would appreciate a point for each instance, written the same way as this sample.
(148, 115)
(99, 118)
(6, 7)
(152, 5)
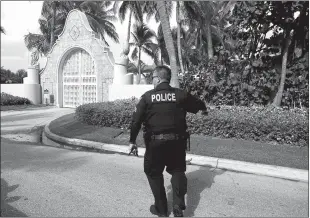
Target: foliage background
(7, 99)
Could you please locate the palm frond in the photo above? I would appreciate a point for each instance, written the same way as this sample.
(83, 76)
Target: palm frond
(36, 41)
(137, 11)
(2, 30)
(149, 8)
(111, 32)
(135, 38)
(151, 46)
(123, 9)
(134, 54)
(148, 51)
(106, 4)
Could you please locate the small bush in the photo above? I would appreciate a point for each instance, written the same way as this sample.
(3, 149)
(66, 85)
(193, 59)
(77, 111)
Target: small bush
(110, 114)
(7, 99)
(265, 124)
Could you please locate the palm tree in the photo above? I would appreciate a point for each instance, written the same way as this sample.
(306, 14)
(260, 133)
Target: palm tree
(142, 41)
(164, 19)
(207, 17)
(49, 12)
(99, 16)
(146, 70)
(161, 48)
(51, 25)
(179, 36)
(2, 30)
(135, 10)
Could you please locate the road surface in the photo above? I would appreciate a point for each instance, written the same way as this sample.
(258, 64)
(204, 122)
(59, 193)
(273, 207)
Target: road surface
(43, 181)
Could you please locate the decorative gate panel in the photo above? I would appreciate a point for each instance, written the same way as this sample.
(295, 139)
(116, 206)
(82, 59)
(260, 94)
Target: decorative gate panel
(79, 79)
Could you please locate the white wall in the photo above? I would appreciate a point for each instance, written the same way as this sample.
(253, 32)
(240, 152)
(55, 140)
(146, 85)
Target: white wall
(13, 89)
(127, 91)
(30, 91)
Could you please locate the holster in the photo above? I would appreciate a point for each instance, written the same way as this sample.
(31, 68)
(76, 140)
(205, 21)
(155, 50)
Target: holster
(186, 135)
(188, 140)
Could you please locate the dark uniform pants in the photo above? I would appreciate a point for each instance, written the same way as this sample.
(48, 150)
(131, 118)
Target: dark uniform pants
(172, 154)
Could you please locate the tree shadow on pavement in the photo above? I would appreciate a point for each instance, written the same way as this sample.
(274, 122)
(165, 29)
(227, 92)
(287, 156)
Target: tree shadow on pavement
(6, 209)
(197, 182)
(36, 158)
(22, 117)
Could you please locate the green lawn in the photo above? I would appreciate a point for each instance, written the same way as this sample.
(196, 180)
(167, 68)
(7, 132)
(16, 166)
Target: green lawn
(242, 150)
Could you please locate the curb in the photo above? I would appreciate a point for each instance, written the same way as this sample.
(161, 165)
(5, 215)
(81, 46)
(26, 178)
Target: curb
(226, 164)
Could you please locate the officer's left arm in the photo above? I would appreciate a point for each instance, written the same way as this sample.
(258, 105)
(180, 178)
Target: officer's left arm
(137, 119)
(193, 104)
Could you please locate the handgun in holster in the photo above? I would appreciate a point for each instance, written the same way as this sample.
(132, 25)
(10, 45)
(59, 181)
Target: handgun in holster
(188, 140)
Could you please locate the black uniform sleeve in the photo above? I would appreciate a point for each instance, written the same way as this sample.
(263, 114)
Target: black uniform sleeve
(137, 119)
(193, 104)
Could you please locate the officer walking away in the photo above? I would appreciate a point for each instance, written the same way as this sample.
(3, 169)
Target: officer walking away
(162, 111)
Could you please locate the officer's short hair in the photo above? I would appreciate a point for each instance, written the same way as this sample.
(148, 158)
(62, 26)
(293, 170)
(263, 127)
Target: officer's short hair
(163, 72)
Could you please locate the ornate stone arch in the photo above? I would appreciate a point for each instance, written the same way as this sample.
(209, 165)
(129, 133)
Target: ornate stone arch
(78, 35)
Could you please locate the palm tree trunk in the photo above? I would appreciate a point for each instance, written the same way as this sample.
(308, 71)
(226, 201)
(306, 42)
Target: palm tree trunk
(209, 39)
(161, 8)
(179, 36)
(53, 25)
(201, 48)
(278, 98)
(139, 67)
(128, 32)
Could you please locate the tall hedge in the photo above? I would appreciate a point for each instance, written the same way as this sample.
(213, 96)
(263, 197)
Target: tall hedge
(7, 99)
(266, 124)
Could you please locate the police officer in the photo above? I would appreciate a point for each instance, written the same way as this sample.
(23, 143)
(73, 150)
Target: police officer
(162, 111)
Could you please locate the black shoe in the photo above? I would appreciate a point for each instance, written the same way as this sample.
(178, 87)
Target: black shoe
(177, 211)
(154, 211)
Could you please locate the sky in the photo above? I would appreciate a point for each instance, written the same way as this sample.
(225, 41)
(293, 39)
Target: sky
(20, 17)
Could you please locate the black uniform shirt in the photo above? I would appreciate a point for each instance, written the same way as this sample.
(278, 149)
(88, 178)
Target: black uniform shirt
(163, 110)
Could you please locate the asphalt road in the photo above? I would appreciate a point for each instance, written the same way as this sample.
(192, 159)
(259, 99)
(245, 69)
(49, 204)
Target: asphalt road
(45, 181)
(41, 181)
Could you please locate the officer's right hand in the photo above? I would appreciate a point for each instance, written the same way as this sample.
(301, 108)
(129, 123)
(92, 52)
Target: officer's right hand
(133, 149)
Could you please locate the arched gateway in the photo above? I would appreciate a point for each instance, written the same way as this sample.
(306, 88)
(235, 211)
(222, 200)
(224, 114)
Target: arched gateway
(79, 67)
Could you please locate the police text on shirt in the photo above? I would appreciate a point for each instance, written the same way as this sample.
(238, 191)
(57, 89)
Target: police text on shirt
(163, 97)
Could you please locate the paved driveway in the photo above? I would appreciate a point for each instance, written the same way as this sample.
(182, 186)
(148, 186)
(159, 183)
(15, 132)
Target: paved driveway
(41, 181)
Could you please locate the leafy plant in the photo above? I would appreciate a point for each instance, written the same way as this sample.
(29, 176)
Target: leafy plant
(266, 124)
(7, 99)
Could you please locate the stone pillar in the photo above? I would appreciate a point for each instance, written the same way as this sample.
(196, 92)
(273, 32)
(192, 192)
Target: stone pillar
(32, 75)
(120, 68)
(120, 71)
(128, 79)
(32, 88)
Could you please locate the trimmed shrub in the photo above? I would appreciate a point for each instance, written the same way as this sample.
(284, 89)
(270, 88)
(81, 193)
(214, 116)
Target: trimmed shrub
(7, 99)
(265, 124)
(110, 114)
